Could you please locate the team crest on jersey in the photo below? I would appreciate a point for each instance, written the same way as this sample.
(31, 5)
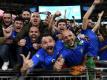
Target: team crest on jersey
(81, 50)
(37, 55)
(53, 60)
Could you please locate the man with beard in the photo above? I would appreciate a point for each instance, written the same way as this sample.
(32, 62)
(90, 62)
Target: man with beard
(26, 14)
(34, 21)
(44, 57)
(30, 43)
(73, 50)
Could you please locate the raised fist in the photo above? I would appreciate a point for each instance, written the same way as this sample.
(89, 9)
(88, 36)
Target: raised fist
(57, 13)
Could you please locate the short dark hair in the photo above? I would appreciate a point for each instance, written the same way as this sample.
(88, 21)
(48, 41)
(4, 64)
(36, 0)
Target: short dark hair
(62, 20)
(26, 10)
(7, 12)
(19, 18)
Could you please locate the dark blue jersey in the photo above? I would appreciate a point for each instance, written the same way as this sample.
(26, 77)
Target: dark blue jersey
(45, 60)
(103, 54)
(93, 40)
(75, 56)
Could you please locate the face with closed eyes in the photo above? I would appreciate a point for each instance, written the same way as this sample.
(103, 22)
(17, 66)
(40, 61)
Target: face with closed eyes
(69, 37)
(48, 44)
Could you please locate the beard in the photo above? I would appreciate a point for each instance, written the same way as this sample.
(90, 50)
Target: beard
(26, 20)
(50, 49)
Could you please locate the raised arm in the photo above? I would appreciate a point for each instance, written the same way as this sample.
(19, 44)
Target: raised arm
(89, 12)
(97, 25)
(52, 20)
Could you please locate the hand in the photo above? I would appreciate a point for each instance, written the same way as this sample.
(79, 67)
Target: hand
(22, 42)
(27, 63)
(7, 32)
(36, 46)
(59, 64)
(59, 36)
(57, 13)
(82, 36)
(98, 1)
(101, 14)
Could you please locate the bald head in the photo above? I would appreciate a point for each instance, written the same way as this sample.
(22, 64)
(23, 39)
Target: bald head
(68, 37)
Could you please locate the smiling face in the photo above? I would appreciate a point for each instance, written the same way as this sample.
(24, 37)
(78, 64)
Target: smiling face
(68, 37)
(7, 19)
(48, 44)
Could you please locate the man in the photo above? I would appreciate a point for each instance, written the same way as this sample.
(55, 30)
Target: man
(26, 14)
(89, 29)
(34, 21)
(60, 27)
(44, 57)
(8, 39)
(30, 43)
(4, 48)
(73, 51)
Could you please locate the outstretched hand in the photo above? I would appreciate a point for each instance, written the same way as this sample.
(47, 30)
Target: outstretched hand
(27, 63)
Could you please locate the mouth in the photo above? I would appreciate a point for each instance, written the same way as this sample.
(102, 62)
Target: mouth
(35, 21)
(7, 23)
(18, 28)
(49, 48)
(33, 36)
(62, 29)
(70, 42)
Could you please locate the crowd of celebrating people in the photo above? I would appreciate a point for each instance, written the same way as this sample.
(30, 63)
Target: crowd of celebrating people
(30, 43)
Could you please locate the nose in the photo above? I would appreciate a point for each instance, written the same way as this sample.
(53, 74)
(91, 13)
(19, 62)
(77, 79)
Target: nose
(68, 38)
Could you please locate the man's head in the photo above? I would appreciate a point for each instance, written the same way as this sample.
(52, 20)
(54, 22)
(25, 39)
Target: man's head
(48, 44)
(35, 19)
(68, 37)
(26, 15)
(18, 24)
(7, 18)
(46, 21)
(61, 25)
(34, 33)
(90, 24)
